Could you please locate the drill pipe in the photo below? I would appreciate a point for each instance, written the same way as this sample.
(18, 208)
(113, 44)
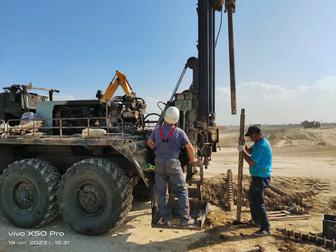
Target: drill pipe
(294, 198)
(271, 194)
(308, 194)
(319, 241)
(278, 191)
(229, 190)
(293, 209)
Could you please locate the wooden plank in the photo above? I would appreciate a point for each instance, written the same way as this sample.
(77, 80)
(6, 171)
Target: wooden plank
(277, 215)
(291, 217)
(274, 212)
(240, 167)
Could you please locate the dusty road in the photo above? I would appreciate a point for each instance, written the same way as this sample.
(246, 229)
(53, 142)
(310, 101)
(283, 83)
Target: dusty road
(306, 156)
(135, 235)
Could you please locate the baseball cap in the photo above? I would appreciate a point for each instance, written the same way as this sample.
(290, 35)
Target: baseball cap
(254, 129)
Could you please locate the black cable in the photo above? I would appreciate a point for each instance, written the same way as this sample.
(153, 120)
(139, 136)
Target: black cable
(220, 28)
(158, 105)
(151, 114)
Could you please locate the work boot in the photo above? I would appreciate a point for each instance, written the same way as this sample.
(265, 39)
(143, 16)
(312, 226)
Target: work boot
(187, 222)
(263, 232)
(166, 223)
(252, 223)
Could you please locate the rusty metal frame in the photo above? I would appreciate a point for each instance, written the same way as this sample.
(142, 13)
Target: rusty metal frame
(61, 127)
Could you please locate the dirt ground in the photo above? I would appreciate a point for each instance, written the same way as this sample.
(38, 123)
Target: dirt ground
(304, 161)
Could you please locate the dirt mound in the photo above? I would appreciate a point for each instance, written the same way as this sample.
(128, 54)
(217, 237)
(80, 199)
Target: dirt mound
(284, 137)
(296, 195)
(332, 203)
(299, 136)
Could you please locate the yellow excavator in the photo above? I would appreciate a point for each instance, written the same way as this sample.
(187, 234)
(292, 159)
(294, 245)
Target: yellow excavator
(119, 79)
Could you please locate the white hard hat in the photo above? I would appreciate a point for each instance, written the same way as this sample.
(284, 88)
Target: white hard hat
(172, 115)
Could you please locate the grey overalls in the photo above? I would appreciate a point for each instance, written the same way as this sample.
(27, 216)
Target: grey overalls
(168, 169)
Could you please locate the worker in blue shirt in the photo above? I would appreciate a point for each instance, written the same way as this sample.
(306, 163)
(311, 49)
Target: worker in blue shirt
(167, 141)
(259, 159)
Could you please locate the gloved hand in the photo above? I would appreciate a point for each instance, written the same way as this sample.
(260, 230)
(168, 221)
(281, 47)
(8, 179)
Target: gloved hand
(241, 147)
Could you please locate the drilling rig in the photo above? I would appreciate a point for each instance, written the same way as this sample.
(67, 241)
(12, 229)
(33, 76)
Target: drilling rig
(197, 103)
(89, 180)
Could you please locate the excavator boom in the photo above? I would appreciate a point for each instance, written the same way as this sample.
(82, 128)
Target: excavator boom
(119, 79)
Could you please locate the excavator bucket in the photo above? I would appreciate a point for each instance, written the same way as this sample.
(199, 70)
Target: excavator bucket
(199, 208)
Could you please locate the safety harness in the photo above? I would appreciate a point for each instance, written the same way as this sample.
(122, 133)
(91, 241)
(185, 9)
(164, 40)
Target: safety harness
(170, 134)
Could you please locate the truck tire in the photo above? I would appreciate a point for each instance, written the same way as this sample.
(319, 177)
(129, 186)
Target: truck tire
(28, 192)
(95, 195)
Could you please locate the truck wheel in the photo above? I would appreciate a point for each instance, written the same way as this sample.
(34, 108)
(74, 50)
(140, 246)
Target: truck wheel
(28, 192)
(95, 195)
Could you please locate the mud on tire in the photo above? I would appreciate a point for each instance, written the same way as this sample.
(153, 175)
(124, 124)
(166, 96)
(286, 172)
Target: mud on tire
(95, 195)
(28, 192)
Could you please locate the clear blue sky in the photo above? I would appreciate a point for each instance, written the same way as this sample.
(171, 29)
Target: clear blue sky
(285, 51)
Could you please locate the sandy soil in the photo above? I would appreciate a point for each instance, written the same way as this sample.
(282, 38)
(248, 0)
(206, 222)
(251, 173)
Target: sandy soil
(304, 159)
(297, 152)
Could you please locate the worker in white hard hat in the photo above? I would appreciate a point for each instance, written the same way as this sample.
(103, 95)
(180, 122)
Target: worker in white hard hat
(167, 141)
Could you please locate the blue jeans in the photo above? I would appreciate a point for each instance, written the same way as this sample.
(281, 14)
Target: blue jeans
(257, 205)
(170, 171)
